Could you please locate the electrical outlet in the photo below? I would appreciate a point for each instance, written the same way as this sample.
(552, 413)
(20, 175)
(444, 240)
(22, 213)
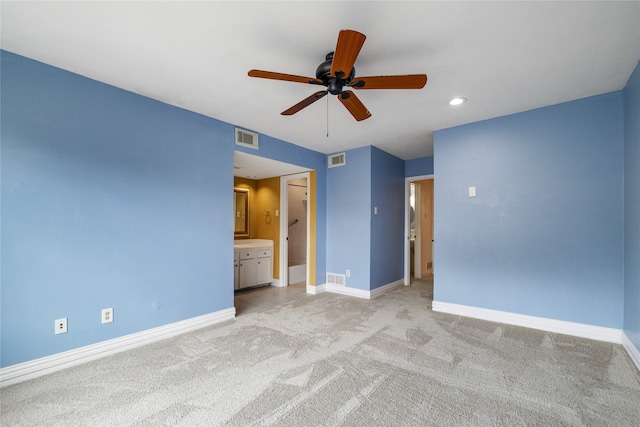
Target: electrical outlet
(107, 315)
(348, 273)
(60, 326)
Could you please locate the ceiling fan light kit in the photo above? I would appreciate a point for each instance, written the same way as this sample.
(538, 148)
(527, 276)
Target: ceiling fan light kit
(338, 74)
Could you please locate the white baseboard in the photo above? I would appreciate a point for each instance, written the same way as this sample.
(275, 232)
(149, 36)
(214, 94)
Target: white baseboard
(345, 290)
(632, 350)
(386, 288)
(361, 293)
(316, 289)
(56, 362)
(599, 333)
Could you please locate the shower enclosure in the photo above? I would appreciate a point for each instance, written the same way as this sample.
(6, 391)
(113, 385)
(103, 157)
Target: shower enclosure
(297, 197)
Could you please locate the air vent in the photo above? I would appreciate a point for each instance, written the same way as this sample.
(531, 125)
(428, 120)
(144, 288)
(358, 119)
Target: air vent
(336, 279)
(246, 138)
(337, 160)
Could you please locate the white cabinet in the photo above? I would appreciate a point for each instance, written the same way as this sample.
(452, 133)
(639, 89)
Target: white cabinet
(248, 268)
(236, 268)
(253, 266)
(265, 267)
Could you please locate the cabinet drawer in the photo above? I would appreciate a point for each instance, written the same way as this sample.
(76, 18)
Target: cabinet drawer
(248, 253)
(264, 253)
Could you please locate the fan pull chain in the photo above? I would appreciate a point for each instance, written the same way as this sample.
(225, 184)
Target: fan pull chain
(327, 116)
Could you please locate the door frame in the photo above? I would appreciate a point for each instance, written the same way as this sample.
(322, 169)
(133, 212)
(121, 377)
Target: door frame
(407, 224)
(417, 245)
(284, 226)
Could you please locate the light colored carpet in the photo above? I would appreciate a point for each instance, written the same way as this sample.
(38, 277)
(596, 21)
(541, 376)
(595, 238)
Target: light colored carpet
(292, 359)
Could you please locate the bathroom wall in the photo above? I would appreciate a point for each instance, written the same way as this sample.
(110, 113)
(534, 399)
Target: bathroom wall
(297, 193)
(267, 223)
(252, 186)
(264, 195)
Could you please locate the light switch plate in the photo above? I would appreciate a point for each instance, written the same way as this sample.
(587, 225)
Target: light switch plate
(472, 191)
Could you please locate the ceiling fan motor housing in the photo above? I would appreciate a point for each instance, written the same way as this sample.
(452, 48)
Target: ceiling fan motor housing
(333, 84)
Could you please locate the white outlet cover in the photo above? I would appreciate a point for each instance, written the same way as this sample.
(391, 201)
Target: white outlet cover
(472, 191)
(60, 326)
(107, 315)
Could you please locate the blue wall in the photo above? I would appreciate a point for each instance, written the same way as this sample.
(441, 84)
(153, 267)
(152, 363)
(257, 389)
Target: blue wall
(544, 236)
(632, 208)
(110, 199)
(418, 167)
(369, 245)
(387, 227)
(349, 218)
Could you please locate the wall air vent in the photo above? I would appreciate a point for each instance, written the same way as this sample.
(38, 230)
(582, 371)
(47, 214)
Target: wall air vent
(246, 138)
(336, 279)
(337, 160)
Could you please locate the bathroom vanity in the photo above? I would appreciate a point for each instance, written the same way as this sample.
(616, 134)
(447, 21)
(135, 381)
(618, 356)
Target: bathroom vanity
(252, 262)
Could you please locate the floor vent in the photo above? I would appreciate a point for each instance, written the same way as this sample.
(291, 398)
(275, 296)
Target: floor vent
(246, 138)
(337, 160)
(335, 279)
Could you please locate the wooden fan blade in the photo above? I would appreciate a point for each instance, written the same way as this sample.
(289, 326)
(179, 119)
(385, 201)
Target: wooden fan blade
(409, 81)
(304, 103)
(353, 104)
(349, 44)
(281, 76)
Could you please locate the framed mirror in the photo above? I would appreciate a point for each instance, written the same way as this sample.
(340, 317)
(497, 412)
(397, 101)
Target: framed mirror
(241, 212)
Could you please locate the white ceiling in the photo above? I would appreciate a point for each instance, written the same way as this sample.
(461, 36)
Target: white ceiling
(255, 167)
(505, 57)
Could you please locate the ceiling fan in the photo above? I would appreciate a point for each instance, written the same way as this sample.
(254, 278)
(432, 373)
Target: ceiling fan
(337, 73)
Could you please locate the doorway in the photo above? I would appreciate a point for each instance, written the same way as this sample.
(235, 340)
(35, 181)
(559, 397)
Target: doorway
(295, 226)
(418, 227)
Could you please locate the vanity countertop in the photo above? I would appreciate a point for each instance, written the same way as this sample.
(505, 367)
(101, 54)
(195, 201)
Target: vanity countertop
(252, 243)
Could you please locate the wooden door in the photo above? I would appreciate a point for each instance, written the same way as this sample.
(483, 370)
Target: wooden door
(426, 226)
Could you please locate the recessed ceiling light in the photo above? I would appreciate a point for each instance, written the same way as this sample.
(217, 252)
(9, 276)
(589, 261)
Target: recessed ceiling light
(458, 100)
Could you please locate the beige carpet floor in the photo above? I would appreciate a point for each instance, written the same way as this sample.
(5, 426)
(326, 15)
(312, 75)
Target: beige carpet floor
(292, 359)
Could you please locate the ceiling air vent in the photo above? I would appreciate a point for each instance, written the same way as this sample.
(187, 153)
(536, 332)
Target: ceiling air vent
(246, 138)
(337, 160)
